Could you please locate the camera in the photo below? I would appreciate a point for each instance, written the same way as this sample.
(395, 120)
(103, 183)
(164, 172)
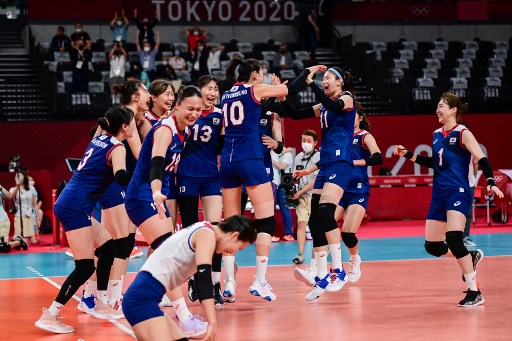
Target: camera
(288, 184)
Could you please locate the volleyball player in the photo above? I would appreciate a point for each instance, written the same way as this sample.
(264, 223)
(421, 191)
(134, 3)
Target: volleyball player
(452, 148)
(103, 162)
(180, 256)
(337, 112)
(242, 163)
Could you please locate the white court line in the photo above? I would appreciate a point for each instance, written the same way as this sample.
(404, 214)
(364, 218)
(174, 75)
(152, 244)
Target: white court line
(114, 322)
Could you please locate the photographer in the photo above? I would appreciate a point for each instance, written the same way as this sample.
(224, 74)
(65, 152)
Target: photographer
(282, 165)
(303, 161)
(23, 212)
(5, 226)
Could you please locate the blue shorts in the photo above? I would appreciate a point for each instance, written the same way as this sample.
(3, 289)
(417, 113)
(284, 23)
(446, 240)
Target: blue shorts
(189, 186)
(113, 196)
(71, 219)
(172, 193)
(338, 173)
(140, 211)
(354, 199)
(245, 172)
(140, 302)
(449, 200)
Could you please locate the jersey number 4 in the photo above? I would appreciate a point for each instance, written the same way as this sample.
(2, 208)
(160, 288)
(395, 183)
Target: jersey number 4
(235, 116)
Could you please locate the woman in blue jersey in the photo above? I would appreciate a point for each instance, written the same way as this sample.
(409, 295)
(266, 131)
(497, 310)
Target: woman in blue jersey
(159, 157)
(184, 254)
(337, 112)
(452, 147)
(103, 162)
(242, 161)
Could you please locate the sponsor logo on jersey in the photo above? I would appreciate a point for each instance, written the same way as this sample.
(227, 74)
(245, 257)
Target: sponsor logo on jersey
(354, 141)
(332, 176)
(263, 122)
(338, 152)
(361, 200)
(216, 121)
(457, 203)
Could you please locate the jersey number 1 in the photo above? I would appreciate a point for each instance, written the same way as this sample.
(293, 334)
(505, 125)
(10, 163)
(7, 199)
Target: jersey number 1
(440, 154)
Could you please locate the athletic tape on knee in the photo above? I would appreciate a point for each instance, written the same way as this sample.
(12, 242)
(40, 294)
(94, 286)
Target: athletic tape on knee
(326, 213)
(436, 249)
(267, 207)
(265, 225)
(105, 260)
(455, 241)
(84, 268)
(350, 239)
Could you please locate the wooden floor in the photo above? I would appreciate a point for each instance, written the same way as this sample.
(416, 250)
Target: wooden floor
(394, 300)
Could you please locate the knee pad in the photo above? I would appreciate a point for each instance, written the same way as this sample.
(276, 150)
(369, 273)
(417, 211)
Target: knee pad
(455, 241)
(437, 249)
(326, 218)
(265, 225)
(349, 238)
(129, 247)
(106, 252)
(316, 229)
(157, 242)
(123, 245)
(84, 269)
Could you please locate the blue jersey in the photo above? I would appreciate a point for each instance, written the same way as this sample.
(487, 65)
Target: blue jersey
(91, 178)
(241, 113)
(200, 156)
(140, 186)
(337, 131)
(151, 117)
(451, 160)
(266, 123)
(359, 182)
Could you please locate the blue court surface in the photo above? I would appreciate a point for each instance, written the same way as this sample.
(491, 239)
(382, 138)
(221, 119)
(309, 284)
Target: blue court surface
(22, 265)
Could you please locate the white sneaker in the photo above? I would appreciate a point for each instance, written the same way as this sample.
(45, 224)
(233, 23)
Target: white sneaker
(166, 302)
(106, 312)
(319, 288)
(262, 290)
(193, 326)
(305, 276)
(229, 291)
(136, 252)
(53, 324)
(87, 304)
(354, 270)
(338, 279)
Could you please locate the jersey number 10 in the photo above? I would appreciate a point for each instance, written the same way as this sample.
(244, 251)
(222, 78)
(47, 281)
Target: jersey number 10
(235, 115)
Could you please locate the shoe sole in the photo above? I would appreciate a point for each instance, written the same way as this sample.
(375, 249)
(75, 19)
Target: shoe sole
(52, 329)
(302, 279)
(194, 334)
(85, 310)
(256, 293)
(106, 316)
(471, 306)
(336, 289)
(228, 297)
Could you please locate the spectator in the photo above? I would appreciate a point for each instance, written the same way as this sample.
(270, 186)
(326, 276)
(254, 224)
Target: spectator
(214, 57)
(194, 35)
(166, 71)
(60, 41)
(146, 29)
(177, 61)
(325, 22)
(147, 55)
(117, 57)
(119, 26)
(78, 35)
(472, 183)
(283, 59)
(305, 160)
(80, 57)
(267, 77)
(199, 60)
(312, 32)
(139, 73)
(39, 205)
(28, 200)
(282, 163)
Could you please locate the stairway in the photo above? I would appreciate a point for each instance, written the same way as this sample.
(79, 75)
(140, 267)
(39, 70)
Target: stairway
(21, 96)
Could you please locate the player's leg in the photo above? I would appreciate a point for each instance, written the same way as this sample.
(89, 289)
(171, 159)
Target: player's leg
(354, 217)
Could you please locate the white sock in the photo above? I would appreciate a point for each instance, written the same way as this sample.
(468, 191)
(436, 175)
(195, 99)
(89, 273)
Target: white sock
(471, 281)
(55, 308)
(353, 258)
(229, 267)
(181, 309)
(216, 277)
(321, 261)
(115, 289)
(90, 288)
(335, 250)
(261, 268)
(313, 266)
(103, 296)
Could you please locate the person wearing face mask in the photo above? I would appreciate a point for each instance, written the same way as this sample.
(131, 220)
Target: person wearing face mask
(38, 212)
(80, 57)
(119, 26)
(267, 76)
(283, 59)
(117, 57)
(177, 62)
(146, 29)
(80, 34)
(199, 60)
(194, 34)
(214, 57)
(23, 219)
(305, 160)
(147, 55)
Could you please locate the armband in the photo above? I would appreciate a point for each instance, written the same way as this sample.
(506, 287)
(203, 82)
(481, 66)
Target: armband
(374, 160)
(409, 155)
(279, 148)
(157, 167)
(123, 177)
(487, 170)
(203, 282)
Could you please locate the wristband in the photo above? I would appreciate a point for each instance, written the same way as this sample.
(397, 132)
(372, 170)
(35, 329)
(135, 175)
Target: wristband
(409, 155)
(491, 182)
(157, 193)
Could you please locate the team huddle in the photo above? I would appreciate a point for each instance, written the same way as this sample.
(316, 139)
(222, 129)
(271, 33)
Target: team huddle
(157, 152)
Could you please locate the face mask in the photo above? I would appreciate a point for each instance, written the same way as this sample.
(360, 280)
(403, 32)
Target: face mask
(165, 62)
(119, 23)
(32, 183)
(307, 147)
(176, 53)
(78, 30)
(147, 49)
(199, 48)
(265, 71)
(196, 33)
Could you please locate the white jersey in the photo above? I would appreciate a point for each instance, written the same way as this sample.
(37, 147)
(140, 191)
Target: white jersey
(173, 262)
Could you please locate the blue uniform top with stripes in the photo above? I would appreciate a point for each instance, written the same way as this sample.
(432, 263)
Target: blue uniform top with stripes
(92, 176)
(266, 124)
(241, 113)
(140, 186)
(337, 131)
(359, 182)
(451, 160)
(151, 117)
(199, 159)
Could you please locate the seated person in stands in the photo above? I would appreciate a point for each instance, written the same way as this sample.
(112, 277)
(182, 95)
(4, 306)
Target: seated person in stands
(60, 41)
(80, 34)
(119, 26)
(177, 61)
(283, 59)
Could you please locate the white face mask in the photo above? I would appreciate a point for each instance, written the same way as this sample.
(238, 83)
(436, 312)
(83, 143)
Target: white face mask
(165, 62)
(79, 30)
(307, 147)
(119, 23)
(196, 33)
(31, 183)
(147, 49)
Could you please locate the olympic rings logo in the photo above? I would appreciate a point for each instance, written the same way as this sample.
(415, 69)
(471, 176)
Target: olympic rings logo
(498, 178)
(420, 11)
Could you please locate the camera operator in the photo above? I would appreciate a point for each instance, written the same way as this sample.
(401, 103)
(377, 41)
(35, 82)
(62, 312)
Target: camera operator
(23, 213)
(5, 226)
(303, 161)
(283, 164)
